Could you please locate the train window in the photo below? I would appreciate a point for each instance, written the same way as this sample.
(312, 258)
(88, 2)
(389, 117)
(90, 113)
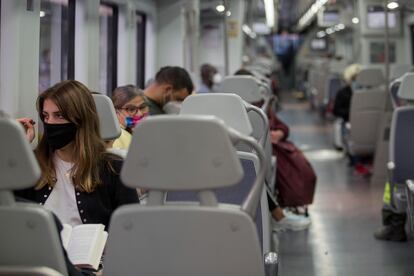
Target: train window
(108, 20)
(54, 46)
(377, 52)
(141, 26)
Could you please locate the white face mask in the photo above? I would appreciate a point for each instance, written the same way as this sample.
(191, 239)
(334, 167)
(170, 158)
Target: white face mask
(172, 107)
(217, 78)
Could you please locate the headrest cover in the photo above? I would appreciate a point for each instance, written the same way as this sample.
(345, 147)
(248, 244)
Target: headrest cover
(108, 122)
(18, 166)
(406, 90)
(228, 107)
(370, 77)
(187, 152)
(246, 87)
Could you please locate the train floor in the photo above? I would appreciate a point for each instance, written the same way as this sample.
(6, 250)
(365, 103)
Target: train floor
(345, 212)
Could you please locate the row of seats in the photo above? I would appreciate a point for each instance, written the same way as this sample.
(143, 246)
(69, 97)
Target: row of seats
(216, 165)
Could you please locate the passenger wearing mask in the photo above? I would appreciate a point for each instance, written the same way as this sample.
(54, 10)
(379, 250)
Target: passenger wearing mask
(342, 104)
(209, 78)
(131, 108)
(171, 84)
(80, 180)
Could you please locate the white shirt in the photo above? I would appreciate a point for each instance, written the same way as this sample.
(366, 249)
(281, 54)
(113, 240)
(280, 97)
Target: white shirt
(62, 199)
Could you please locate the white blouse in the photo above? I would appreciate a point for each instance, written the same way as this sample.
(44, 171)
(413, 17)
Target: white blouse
(62, 199)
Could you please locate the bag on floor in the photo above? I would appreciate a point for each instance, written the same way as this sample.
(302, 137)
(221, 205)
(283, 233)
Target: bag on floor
(295, 177)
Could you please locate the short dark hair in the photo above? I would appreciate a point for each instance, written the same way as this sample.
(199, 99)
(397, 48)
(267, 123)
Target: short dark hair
(243, 71)
(178, 77)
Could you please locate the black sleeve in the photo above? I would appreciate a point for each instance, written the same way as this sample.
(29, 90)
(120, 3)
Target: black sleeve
(121, 193)
(342, 103)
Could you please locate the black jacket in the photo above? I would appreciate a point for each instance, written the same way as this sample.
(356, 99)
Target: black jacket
(342, 104)
(95, 207)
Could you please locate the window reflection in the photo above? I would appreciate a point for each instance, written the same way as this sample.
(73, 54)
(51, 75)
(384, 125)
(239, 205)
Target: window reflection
(53, 47)
(107, 48)
(141, 25)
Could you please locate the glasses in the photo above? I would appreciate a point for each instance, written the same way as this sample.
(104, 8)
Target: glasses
(133, 109)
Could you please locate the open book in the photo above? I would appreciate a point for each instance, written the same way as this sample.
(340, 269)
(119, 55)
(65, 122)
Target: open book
(84, 244)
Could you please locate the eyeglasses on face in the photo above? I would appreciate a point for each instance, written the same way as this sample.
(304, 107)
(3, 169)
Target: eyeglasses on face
(133, 109)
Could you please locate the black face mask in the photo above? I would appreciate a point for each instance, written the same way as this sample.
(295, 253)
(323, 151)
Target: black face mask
(59, 135)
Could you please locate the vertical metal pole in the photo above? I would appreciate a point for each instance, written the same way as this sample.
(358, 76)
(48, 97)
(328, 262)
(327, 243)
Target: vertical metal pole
(226, 42)
(387, 48)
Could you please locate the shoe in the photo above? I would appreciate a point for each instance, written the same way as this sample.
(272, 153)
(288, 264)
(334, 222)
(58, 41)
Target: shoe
(390, 233)
(291, 222)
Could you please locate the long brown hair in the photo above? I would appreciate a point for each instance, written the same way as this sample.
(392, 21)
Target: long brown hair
(76, 105)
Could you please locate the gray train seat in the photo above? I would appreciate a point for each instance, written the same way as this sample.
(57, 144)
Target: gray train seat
(406, 90)
(207, 238)
(228, 109)
(28, 234)
(367, 106)
(27, 271)
(109, 126)
(236, 194)
(401, 152)
(249, 88)
(233, 110)
(108, 122)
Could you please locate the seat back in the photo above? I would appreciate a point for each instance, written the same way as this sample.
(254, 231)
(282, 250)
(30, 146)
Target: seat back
(108, 122)
(406, 90)
(27, 271)
(367, 107)
(181, 238)
(26, 228)
(401, 140)
(236, 194)
(232, 109)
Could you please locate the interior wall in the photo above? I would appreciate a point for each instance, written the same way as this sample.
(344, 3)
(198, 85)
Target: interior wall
(19, 58)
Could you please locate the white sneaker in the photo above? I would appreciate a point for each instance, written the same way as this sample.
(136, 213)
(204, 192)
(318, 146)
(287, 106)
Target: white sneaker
(291, 222)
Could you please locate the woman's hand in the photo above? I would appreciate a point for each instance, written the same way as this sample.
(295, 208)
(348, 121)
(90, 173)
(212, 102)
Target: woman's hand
(276, 136)
(29, 129)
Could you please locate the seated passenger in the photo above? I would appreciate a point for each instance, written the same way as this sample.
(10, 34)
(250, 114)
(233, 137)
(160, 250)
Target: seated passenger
(171, 83)
(209, 77)
(283, 220)
(80, 181)
(131, 108)
(342, 103)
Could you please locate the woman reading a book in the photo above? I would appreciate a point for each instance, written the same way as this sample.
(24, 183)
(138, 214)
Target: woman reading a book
(80, 181)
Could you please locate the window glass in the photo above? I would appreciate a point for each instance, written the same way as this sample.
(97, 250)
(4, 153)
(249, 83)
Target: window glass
(54, 42)
(108, 20)
(141, 26)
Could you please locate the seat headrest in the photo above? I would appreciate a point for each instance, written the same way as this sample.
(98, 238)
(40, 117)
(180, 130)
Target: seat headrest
(247, 87)
(406, 90)
(187, 152)
(18, 165)
(370, 77)
(228, 107)
(108, 122)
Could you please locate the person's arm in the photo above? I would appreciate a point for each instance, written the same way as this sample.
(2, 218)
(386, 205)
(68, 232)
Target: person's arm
(28, 125)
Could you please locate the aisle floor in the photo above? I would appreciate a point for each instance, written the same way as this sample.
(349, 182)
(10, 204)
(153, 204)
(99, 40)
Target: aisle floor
(345, 213)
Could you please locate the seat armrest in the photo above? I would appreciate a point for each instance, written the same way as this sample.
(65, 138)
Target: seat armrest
(271, 262)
